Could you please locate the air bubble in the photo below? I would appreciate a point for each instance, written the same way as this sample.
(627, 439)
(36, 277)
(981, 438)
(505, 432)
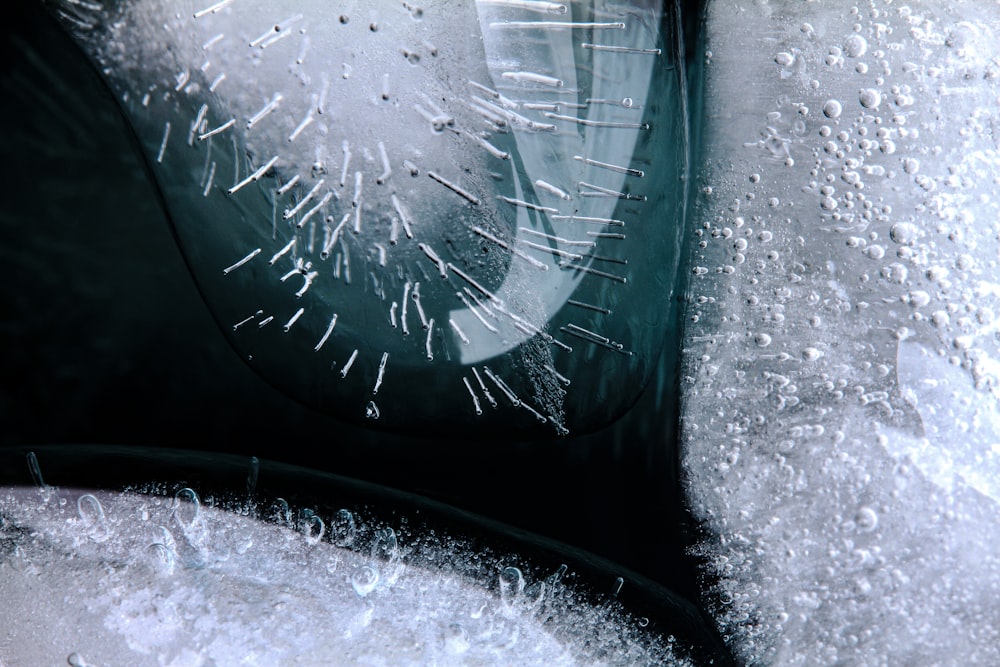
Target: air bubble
(875, 251)
(903, 232)
(855, 46)
(762, 339)
(832, 109)
(866, 519)
(870, 98)
(76, 660)
(811, 354)
(784, 59)
(918, 298)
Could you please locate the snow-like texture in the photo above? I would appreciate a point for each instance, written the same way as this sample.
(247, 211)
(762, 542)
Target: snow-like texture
(97, 578)
(841, 418)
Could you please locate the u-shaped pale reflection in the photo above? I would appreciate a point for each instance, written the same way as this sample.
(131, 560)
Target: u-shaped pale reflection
(482, 200)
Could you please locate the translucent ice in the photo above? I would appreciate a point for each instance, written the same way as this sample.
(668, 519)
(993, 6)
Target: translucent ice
(841, 419)
(414, 193)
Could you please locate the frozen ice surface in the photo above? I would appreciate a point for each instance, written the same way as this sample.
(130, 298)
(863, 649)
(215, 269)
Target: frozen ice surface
(841, 417)
(374, 196)
(105, 578)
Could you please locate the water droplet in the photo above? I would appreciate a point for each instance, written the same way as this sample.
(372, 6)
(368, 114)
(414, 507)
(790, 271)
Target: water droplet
(828, 203)
(343, 529)
(372, 411)
(186, 507)
(534, 594)
(895, 273)
(161, 557)
(511, 584)
(832, 109)
(628, 102)
(385, 547)
(784, 58)
(92, 514)
(870, 98)
(762, 339)
(280, 513)
(312, 527)
(364, 579)
(911, 165)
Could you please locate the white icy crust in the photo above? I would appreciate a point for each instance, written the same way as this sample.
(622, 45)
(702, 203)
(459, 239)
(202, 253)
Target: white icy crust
(98, 578)
(841, 419)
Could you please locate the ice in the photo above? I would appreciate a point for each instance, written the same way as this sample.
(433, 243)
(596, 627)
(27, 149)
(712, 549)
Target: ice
(490, 152)
(91, 577)
(841, 395)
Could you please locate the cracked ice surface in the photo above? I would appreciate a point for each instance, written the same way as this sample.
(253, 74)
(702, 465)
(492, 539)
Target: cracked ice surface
(99, 578)
(841, 420)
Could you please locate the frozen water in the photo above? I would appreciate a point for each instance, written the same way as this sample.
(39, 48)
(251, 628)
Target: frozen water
(381, 195)
(841, 418)
(106, 578)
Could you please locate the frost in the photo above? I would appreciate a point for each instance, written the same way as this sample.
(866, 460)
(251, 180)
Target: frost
(169, 580)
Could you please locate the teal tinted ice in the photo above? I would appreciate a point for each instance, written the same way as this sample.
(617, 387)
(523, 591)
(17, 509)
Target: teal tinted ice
(445, 218)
